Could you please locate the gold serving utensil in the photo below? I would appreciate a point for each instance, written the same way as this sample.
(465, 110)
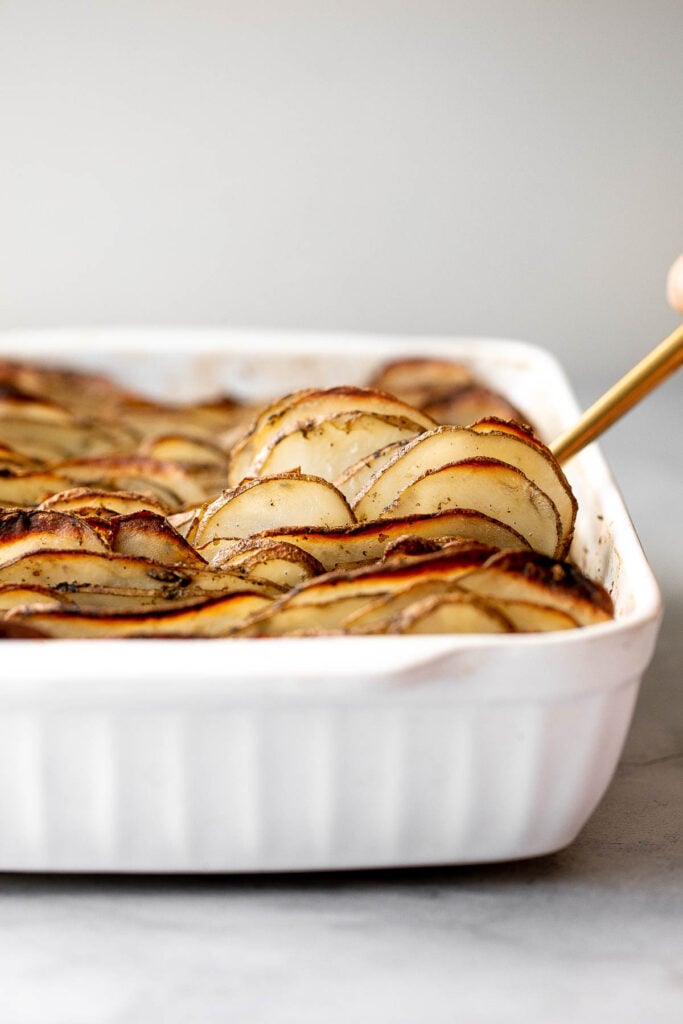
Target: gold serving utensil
(657, 365)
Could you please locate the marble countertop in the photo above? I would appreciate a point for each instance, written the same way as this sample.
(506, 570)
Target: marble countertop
(593, 933)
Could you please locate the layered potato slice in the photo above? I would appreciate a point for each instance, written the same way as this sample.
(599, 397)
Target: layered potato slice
(463, 405)
(417, 380)
(283, 563)
(74, 572)
(185, 449)
(546, 582)
(329, 601)
(445, 390)
(368, 542)
(449, 445)
(450, 613)
(30, 488)
(215, 617)
(168, 482)
(76, 391)
(272, 503)
(31, 595)
(306, 409)
(12, 461)
(499, 490)
(146, 534)
(354, 478)
(24, 532)
(203, 421)
(48, 440)
(328, 448)
(95, 501)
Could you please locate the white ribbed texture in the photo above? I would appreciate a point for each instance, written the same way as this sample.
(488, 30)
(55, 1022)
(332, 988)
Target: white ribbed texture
(220, 789)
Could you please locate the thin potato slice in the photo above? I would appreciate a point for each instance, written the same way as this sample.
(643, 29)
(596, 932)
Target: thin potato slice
(320, 616)
(15, 596)
(353, 480)
(146, 534)
(528, 617)
(187, 450)
(17, 403)
(74, 572)
(71, 570)
(147, 473)
(447, 445)
(273, 503)
(367, 542)
(23, 532)
(214, 617)
(489, 424)
(74, 389)
(450, 613)
(539, 580)
(129, 601)
(283, 564)
(376, 616)
(91, 499)
(185, 522)
(46, 440)
(494, 488)
(204, 422)
(417, 380)
(340, 595)
(470, 402)
(327, 448)
(311, 406)
(12, 461)
(243, 447)
(27, 489)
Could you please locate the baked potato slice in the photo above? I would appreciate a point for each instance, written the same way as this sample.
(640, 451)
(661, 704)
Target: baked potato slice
(26, 489)
(354, 478)
(91, 500)
(272, 503)
(450, 613)
(329, 447)
(50, 440)
(447, 445)
(74, 570)
(488, 486)
(31, 595)
(531, 577)
(327, 602)
(418, 380)
(529, 617)
(376, 616)
(367, 542)
(170, 483)
(310, 406)
(213, 617)
(146, 534)
(470, 402)
(24, 531)
(184, 449)
(282, 563)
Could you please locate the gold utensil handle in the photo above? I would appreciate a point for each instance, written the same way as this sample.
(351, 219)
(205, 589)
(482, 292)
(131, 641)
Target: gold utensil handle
(657, 365)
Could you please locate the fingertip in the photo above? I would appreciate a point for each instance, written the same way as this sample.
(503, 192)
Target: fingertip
(674, 285)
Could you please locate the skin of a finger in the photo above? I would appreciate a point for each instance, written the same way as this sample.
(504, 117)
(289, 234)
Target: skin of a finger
(674, 285)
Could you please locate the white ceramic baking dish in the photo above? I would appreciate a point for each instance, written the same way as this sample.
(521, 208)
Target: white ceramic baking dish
(321, 753)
